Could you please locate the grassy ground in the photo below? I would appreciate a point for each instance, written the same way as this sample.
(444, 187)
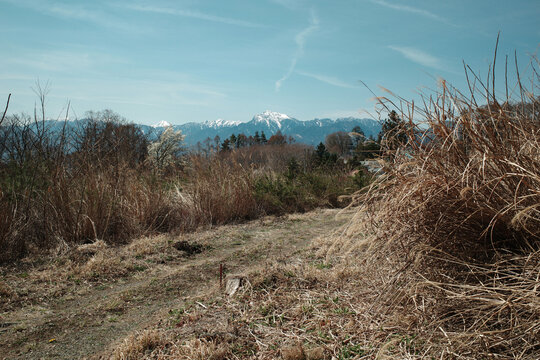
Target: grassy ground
(87, 301)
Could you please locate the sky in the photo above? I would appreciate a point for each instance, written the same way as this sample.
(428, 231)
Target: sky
(186, 60)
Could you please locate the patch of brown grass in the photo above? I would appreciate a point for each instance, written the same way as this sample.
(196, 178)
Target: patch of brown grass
(139, 346)
(449, 239)
(222, 191)
(302, 311)
(6, 292)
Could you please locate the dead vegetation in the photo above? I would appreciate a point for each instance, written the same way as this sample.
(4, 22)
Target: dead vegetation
(441, 259)
(99, 180)
(92, 297)
(450, 237)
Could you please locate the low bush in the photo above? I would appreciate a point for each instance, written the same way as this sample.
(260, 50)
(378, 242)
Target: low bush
(221, 190)
(282, 193)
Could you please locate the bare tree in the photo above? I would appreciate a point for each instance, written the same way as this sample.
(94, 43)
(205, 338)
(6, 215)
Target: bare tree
(339, 143)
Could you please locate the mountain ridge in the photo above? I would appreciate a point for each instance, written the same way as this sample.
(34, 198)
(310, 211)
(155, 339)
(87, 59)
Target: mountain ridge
(306, 131)
(310, 132)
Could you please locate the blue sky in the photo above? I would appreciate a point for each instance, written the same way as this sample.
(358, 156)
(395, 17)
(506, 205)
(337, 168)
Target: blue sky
(188, 60)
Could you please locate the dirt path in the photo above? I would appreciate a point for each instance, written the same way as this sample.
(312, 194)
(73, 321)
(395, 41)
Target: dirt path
(57, 314)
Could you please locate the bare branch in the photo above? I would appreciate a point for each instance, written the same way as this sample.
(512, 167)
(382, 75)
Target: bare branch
(5, 111)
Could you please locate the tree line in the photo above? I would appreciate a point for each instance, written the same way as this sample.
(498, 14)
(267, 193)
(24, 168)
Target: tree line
(241, 140)
(356, 146)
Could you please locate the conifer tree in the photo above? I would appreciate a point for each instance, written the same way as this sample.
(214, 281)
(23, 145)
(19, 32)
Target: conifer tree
(226, 145)
(394, 132)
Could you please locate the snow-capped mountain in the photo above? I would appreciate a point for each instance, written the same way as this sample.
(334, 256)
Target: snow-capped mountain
(310, 132)
(220, 123)
(272, 119)
(162, 124)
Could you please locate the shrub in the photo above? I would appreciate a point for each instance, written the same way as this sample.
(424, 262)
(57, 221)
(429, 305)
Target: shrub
(221, 190)
(283, 193)
(75, 185)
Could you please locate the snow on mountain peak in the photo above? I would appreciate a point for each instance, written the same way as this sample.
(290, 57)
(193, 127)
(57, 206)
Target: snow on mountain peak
(221, 123)
(162, 124)
(270, 117)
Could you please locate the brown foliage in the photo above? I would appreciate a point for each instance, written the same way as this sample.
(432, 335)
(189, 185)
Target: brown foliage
(452, 236)
(339, 143)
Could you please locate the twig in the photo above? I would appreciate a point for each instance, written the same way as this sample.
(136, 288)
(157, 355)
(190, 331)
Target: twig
(5, 111)
(201, 304)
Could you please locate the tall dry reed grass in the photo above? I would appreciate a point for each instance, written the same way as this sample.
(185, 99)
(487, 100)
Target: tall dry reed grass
(449, 239)
(222, 191)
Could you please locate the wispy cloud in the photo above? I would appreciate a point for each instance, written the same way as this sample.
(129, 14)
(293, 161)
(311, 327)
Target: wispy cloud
(153, 88)
(326, 79)
(419, 57)
(73, 12)
(289, 4)
(191, 14)
(62, 61)
(300, 40)
(336, 114)
(410, 9)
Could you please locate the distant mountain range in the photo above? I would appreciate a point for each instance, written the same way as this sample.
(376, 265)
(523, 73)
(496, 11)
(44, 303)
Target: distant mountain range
(309, 132)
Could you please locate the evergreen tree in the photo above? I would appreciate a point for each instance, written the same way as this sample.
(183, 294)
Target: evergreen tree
(263, 138)
(293, 168)
(320, 150)
(257, 138)
(232, 140)
(394, 132)
(367, 150)
(241, 140)
(226, 145)
(357, 136)
(322, 156)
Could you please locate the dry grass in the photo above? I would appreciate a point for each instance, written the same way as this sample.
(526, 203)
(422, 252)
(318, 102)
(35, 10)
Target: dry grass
(6, 291)
(139, 345)
(308, 310)
(39, 281)
(449, 239)
(222, 191)
(96, 183)
(441, 259)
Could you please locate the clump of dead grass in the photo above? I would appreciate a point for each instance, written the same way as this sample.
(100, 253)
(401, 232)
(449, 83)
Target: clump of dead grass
(449, 238)
(6, 291)
(222, 191)
(304, 311)
(201, 349)
(140, 345)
